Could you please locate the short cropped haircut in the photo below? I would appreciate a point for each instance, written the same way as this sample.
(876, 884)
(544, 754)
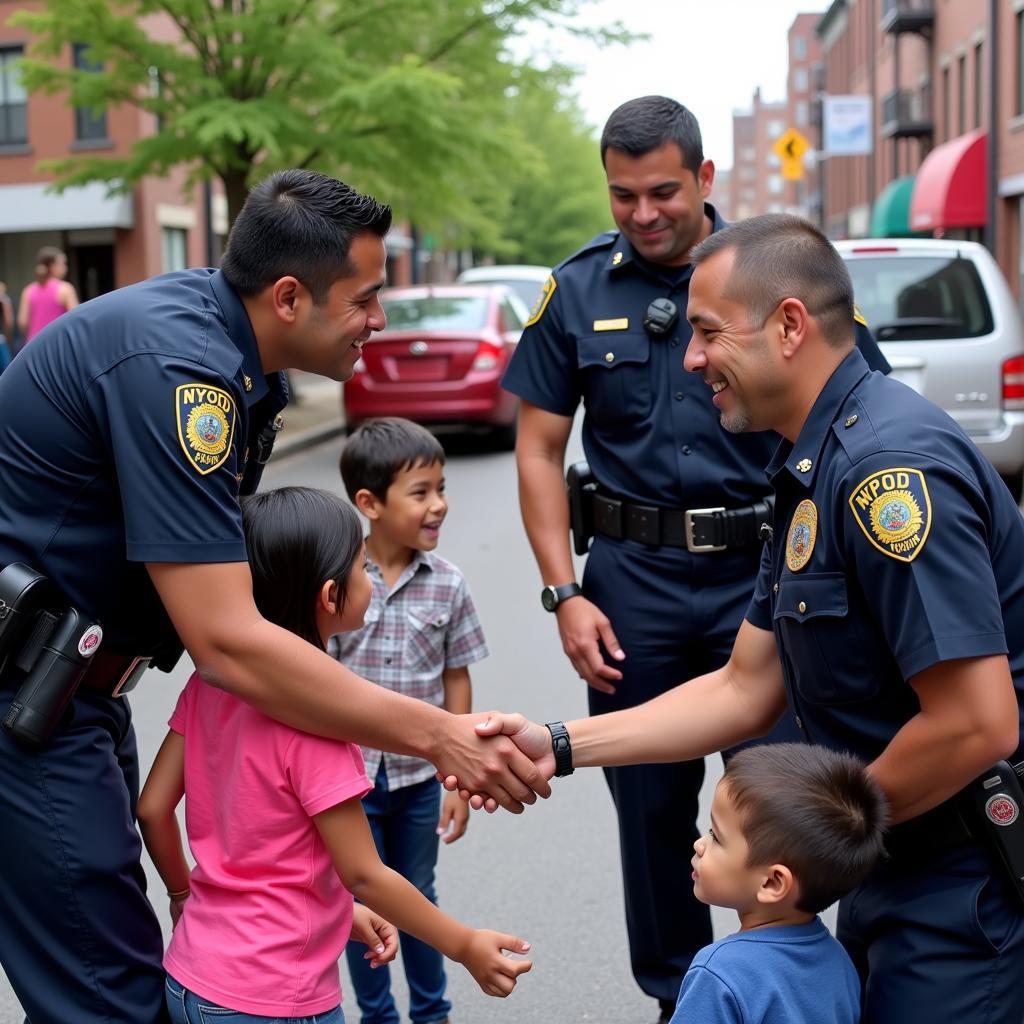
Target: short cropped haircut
(642, 125)
(815, 810)
(382, 448)
(299, 223)
(297, 539)
(780, 256)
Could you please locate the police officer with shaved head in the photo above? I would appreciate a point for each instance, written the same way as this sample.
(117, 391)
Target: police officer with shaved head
(128, 430)
(676, 503)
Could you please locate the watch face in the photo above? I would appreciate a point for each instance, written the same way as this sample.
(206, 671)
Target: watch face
(549, 599)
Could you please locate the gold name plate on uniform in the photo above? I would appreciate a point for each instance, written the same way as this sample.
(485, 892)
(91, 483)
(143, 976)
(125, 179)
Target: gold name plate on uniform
(621, 324)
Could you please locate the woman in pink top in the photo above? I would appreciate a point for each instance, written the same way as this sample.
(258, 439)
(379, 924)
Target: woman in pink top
(274, 818)
(50, 295)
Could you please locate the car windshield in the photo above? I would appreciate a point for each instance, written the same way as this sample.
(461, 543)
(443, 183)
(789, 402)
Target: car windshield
(912, 298)
(437, 313)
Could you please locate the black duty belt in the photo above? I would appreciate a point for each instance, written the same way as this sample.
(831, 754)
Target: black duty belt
(696, 529)
(114, 674)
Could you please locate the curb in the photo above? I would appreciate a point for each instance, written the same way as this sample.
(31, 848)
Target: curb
(308, 438)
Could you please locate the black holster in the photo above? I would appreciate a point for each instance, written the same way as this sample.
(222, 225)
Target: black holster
(581, 485)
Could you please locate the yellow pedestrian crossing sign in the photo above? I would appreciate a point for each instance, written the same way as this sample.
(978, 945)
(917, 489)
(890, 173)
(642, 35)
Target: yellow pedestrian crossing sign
(790, 147)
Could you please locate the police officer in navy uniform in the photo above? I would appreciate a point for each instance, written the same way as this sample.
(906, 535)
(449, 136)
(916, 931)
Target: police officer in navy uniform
(664, 588)
(888, 616)
(128, 430)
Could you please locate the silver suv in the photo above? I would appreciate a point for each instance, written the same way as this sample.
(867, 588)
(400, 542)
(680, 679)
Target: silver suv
(947, 322)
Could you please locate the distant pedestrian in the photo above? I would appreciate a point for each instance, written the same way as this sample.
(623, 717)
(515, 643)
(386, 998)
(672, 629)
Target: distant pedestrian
(6, 327)
(793, 828)
(420, 637)
(49, 296)
(273, 814)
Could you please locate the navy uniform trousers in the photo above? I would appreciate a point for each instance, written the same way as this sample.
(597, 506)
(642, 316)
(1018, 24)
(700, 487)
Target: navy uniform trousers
(676, 615)
(79, 940)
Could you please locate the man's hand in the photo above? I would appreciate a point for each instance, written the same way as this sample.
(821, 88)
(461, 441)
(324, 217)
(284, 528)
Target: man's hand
(491, 768)
(454, 818)
(582, 626)
(532, 739)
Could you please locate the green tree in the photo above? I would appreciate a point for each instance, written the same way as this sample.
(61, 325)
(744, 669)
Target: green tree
(401, 97)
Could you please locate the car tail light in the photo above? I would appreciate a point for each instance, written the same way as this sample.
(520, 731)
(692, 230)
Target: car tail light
(1013, 384)
(488, 356)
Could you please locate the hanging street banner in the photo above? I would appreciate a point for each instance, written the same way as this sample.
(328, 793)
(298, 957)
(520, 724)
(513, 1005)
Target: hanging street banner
(846, 127)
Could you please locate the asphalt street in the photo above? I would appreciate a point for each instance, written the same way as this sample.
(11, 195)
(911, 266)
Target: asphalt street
(550, 875)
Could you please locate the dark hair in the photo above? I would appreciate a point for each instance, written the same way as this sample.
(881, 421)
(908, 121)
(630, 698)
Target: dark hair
(642, 125)
(300, 223)
(780, 256)
(48, 255)
(380, 449)
(297, 539)
(815, 810)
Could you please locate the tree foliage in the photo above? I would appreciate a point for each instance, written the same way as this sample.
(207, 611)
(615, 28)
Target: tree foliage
(403, 98)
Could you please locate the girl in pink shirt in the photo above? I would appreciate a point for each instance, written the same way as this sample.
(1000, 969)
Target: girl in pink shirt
(49, 296)
(274, 818)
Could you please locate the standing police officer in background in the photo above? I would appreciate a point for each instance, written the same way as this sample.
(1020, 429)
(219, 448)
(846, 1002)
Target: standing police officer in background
(128, 430)
(888, 615)
(679, 507)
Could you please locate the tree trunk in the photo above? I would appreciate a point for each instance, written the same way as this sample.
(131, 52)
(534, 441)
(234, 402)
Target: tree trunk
(235, 190)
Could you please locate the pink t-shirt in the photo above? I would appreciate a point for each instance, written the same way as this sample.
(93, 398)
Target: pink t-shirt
(44, 305)
(268, 917)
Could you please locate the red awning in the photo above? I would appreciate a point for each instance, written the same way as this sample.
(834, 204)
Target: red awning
(950, 190)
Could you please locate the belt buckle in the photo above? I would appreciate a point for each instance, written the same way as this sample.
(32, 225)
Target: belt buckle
(130, 679)
(691, 543)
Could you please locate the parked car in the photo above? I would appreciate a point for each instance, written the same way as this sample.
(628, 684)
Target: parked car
(440, 359)
(524, 279)
(947, 322)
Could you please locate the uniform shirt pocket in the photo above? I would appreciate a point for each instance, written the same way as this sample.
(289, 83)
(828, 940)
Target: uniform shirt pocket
(428, 627)
(616, 376)
(829, 649)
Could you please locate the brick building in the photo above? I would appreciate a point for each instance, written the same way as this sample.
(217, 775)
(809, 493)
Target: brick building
(756, 184)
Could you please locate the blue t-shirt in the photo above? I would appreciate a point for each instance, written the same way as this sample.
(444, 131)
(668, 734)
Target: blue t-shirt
(793, 974)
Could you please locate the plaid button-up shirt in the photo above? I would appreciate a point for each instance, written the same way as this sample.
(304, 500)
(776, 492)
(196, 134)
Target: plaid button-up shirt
(424, 624)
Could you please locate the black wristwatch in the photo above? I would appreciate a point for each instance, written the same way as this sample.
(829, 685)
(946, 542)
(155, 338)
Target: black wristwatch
(562, 748)
(552, 597)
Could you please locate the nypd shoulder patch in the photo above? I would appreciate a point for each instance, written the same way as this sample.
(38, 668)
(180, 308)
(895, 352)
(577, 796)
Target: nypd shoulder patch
(542, 302)
(894, 510)
(206, 420)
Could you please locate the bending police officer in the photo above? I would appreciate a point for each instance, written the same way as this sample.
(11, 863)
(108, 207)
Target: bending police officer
(679, 506)
(129, 428)
(888, 617)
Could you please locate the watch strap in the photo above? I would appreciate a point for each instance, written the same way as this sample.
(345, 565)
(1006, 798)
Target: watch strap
(562, 748)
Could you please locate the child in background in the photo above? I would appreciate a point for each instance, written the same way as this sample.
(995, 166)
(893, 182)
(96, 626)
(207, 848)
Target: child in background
(421, 634)
(794, 827)
(274, 817)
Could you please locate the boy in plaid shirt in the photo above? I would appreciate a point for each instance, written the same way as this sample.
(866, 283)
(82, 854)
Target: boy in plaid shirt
(420, 635)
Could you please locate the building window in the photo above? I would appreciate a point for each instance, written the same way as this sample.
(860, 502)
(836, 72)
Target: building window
(1020, 63)
(775, 184)
(961, 99)
(979, 73)
(945, 104)
(800, 80)
(13, 124)
(90, 125)
(775, 129)
(799, 48)
(174, 243)
(801, 112)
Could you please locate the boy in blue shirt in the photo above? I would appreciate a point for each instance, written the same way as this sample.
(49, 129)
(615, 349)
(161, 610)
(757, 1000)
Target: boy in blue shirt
(793, 828)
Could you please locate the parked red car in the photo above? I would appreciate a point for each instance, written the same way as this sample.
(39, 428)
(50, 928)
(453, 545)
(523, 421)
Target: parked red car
(440, 359)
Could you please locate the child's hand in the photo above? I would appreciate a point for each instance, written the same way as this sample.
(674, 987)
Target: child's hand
(454, 818)
(373, 931)
(177, 906)
(495, 973)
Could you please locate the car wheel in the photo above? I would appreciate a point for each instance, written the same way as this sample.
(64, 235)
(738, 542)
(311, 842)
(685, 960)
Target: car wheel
(1015, 482)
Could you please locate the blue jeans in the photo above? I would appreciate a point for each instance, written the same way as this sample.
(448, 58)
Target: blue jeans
(188, 1008)
(404, 826)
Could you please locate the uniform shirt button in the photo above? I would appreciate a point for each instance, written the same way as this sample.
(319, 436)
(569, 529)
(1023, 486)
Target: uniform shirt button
(679, 396)
(675, 343)
(609, 357)
(387, 660)
(685, 449)
(802, 606)
(799, 724)
(775, 589)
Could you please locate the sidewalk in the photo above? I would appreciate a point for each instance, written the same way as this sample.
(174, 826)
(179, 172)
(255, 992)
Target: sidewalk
(313, 415)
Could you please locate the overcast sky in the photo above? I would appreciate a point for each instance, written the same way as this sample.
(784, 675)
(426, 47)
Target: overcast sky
(708, 54)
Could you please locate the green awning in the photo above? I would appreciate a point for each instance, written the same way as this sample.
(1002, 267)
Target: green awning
(890, 217)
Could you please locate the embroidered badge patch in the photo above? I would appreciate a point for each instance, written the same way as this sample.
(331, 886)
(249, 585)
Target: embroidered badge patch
(206, 419)
(803, 531)
(542, 303)
(894, 510)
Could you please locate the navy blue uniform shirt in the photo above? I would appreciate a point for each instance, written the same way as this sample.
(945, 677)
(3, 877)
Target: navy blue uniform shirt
(896, 547)
(650, 432)
(127, 433)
